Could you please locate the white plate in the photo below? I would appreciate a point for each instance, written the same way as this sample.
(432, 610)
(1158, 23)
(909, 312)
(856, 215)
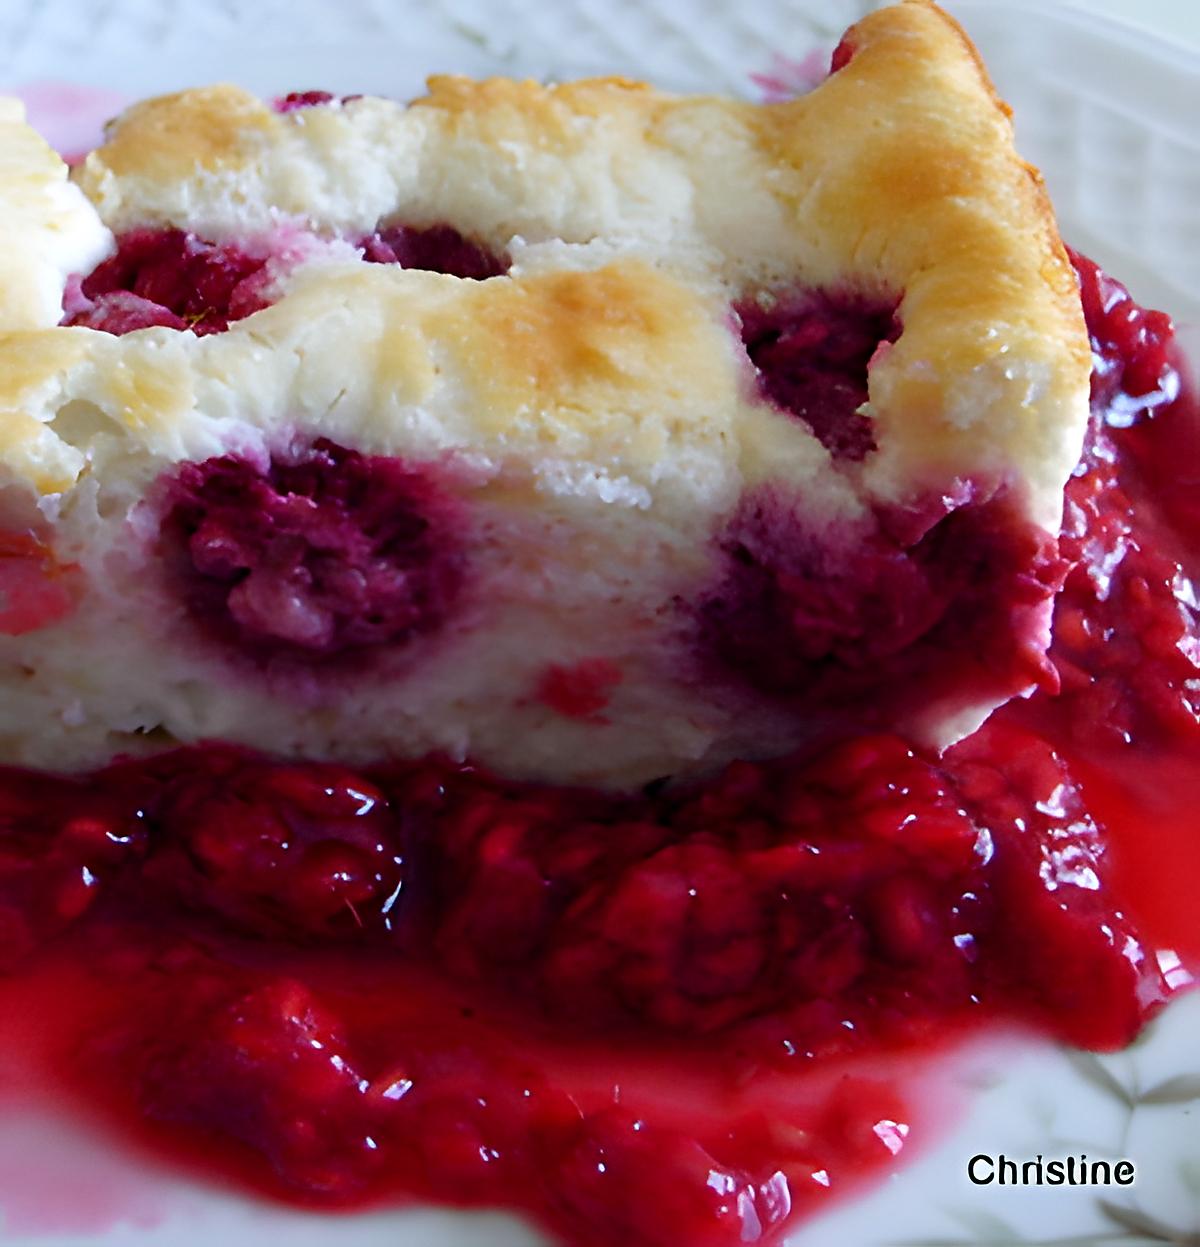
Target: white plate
(1109, 114)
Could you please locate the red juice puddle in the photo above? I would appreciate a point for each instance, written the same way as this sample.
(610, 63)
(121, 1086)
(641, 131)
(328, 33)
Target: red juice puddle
(676, 1016)
(1151, 816)
(855, 1105)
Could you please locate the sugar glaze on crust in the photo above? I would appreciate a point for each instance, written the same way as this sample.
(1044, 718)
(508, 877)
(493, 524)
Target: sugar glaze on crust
(594, 408)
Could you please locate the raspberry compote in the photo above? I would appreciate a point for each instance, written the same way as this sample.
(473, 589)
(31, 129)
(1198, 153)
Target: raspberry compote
(683, 1015)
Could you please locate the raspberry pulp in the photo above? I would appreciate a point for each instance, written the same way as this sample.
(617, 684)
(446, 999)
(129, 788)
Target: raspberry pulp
(303, 99)
(945, 602)
(320, 554)
(439, 248)
(172, 278)
(811, 354)
(180, 281)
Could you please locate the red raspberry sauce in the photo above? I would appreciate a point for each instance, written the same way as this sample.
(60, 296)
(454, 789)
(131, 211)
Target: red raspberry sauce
(680, 1016)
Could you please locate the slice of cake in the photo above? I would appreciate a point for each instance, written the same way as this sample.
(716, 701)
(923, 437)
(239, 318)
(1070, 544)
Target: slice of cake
(595, 433)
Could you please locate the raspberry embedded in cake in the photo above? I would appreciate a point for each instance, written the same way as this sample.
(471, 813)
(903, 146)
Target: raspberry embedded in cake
(438, 248)
(172, 278)
(178, 280)
(949, 601)
(35, 589)
(322, 554)
(580, 690)
(303, 99)
(811, 353)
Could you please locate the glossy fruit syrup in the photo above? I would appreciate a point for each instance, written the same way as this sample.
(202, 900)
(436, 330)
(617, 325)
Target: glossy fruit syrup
(682, 1016)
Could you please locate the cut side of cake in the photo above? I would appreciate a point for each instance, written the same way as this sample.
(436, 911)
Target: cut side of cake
(594, 433)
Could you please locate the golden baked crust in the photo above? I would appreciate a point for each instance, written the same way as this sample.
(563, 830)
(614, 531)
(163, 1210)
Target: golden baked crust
(923, 192)
(896, 177)
(174, 136)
